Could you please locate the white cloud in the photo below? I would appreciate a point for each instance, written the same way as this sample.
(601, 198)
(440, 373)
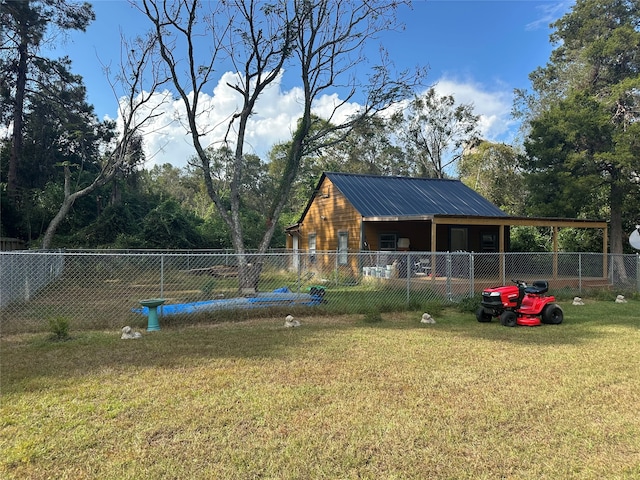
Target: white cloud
(493, 107)
(549, 13)
(167, 139)
(330, 108)
(277, 111)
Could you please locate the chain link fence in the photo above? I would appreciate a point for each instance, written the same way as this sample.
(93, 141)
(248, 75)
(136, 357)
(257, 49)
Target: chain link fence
(103, 290)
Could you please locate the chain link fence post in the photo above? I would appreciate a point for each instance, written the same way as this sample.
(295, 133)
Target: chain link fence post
(472, 275)
(449, 273)
(408, 268)
(161, 282)
(298, 273)
(638, 271)
(161, 275)
(580, 273)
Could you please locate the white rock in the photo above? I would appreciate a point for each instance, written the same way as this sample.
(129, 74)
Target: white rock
(426, 318)
(621, 299)
(290, 322)
(127, 333)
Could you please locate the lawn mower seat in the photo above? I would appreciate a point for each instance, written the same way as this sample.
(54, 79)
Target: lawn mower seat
(538, 287)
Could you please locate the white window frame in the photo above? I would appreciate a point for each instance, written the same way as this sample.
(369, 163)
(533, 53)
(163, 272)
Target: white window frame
(313, 242)
(343, 248)
(389, 239)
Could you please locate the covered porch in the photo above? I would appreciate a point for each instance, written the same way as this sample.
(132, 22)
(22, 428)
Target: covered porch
(447, 233)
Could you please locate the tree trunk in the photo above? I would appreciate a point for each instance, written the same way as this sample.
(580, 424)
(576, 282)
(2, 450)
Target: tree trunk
(69, 199)
(67, 203)
(249, 270)
(617, 195)
(55, 223)
(16, 136)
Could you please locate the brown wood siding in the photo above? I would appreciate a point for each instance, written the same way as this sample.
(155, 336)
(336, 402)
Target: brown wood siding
(329, 214)
(7, 244)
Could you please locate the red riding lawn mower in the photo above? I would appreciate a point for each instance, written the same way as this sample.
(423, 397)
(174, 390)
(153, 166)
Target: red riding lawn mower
(520, 304)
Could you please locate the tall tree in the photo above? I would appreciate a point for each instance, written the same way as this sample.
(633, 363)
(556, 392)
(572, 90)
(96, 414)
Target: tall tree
(184, 185)
(369, 148)
(492, 170)
(250, 35)
(586, 101)
(25, 25)
(435, 131)
(59, 128)
(322, 39)
(140, 80)
(328, 43)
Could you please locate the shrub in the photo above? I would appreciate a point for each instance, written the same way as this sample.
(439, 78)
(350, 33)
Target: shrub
(59, 327)
(389, 307)
(433, 307)
(469, 304)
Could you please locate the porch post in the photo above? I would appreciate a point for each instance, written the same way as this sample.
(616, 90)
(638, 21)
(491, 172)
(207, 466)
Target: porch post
(555, 252)
(501, 251)
(433, 249)
(605, 249)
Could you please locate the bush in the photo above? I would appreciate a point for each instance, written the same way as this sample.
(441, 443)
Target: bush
(59, 327)
(433, 307)
(170, 226)
(386, 307)
(469, 304)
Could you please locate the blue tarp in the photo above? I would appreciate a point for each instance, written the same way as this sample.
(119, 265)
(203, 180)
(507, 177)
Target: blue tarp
(280, 297)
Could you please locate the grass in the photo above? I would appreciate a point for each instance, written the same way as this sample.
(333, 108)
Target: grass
(337, 397)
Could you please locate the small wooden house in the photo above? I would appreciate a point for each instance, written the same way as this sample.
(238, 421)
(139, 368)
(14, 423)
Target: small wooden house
(354, 213)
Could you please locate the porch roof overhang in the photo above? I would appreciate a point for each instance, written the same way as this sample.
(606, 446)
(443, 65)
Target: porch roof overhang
(503, 221)
(479, 220)
(506, 221)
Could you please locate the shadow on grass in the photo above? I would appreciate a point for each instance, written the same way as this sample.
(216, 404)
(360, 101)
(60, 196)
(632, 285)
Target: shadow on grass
(29, 359)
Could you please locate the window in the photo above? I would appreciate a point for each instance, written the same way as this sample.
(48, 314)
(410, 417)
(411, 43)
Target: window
(343, 248)
(387, 241)
(489, 242)
(312, 247)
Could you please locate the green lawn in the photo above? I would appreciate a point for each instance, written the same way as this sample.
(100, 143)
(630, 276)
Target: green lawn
(336, 398)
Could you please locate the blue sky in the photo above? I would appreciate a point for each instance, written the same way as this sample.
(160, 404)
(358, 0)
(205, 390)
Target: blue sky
(478, 51)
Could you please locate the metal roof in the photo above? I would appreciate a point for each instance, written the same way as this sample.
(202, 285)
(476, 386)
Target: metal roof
(380, 196)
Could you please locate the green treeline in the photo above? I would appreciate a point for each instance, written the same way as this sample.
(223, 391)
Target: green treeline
(579, 156)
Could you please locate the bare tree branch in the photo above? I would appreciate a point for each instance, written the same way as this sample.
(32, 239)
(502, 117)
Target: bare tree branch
(322, 39)
(139, 79)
